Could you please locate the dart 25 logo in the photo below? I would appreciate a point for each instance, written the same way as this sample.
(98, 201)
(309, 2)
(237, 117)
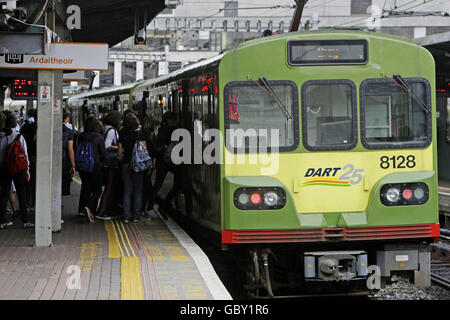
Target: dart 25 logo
(346, 176)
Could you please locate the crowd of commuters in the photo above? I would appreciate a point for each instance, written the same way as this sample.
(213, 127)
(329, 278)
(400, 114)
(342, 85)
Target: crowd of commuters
(112, 187)
(103, 152)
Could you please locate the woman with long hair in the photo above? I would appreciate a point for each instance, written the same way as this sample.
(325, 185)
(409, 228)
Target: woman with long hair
(92, 180)
(132, 181)
(109, 202)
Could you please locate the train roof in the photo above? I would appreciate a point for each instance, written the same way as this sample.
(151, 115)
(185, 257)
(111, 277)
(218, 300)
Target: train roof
(106, 91)
(323, 34)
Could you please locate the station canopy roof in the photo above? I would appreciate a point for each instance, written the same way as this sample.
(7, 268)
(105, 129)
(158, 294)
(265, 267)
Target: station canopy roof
(439, 46)
(113, 21)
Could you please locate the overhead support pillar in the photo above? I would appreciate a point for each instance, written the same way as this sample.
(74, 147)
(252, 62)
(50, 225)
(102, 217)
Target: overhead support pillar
(44, 163)
(57, 105)
(139, 70)
(117, 73)
(295, 23)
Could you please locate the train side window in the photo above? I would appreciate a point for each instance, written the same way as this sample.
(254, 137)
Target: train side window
(393, 118)
(329, 115)
(261, 116)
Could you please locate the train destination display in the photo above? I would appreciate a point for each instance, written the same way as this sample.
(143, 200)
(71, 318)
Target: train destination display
(327, 52)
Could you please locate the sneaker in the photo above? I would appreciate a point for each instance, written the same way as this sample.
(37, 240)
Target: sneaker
(103, 217)
(6, 224)
(125, 220)
(28, 225)
(136, 219)
(89, 214)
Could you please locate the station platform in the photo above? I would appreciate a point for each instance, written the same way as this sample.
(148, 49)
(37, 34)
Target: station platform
(149, 260)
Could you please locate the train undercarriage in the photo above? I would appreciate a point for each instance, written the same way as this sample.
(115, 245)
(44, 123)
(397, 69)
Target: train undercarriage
(292, 270)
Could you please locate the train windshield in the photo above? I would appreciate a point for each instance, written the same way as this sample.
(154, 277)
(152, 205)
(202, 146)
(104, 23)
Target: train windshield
(261, 115)
(393, 115)
(329, 113)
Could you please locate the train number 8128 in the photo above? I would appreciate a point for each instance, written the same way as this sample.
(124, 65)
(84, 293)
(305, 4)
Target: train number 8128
(398, 162)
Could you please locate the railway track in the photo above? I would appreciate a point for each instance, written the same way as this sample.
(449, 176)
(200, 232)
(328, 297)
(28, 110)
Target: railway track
(440, 264)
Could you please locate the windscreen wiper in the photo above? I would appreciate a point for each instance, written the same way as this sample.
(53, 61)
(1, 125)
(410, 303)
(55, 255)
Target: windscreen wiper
(275, 98)
(398, 79)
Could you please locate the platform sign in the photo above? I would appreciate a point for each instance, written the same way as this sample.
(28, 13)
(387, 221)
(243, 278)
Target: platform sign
(44, 92)
(62, 56)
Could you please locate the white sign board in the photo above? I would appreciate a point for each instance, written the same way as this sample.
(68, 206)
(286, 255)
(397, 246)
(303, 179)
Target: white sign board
(74, 76)
(62, 56)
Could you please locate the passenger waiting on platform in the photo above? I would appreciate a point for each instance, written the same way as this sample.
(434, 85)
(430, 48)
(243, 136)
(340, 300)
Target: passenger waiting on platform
(109, 204)
(148, 195)
(90, 173)
(68, 154)
(14, 166)
(29, 132)
(132, 181)
(163, 142)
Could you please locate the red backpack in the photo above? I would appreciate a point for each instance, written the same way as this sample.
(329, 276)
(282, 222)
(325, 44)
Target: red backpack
(16, 159)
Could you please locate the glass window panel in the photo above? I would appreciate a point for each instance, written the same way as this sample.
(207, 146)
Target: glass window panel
(256, 119)
(329, 115)
(394, 116)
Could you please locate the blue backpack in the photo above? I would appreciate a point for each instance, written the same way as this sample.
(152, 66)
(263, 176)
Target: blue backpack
(140, 159)
(84, 157)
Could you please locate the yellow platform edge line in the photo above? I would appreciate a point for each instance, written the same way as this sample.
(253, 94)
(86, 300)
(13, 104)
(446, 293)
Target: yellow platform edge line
(131, 279)
(117, 227)
(115, 250)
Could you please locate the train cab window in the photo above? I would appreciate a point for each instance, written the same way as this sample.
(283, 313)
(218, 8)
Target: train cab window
(394, 114)
(329, 115)
(261, 115)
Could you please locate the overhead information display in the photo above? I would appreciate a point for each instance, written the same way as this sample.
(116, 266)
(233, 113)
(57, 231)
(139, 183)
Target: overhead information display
(23, 89)
(327, 52)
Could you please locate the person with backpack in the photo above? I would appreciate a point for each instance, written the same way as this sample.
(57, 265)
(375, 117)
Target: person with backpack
(135, 163)
(14, 166)
(88, 161)
(109, 201)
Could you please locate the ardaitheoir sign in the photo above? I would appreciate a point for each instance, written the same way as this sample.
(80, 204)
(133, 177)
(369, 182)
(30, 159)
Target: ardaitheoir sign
(62, 56)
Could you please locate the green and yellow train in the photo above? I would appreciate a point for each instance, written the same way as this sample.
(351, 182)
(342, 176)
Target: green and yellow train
(324, 149)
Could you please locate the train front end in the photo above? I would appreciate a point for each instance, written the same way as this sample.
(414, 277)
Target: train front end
(330, 165)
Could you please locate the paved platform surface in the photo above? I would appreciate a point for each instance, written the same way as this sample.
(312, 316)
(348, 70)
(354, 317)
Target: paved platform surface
(151, 260)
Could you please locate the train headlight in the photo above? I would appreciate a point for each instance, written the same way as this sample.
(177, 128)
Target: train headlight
(271, 199)
(264, 198)
(403, 194)
(393, 195)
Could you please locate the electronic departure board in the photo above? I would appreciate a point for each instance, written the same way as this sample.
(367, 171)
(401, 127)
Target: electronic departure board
(22, 89)
(320, 52)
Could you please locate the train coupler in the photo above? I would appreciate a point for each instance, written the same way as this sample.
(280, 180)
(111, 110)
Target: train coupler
(335, 265)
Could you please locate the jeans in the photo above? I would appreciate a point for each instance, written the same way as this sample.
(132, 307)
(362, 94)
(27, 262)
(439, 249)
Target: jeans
(5, 184)
(133, 184)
